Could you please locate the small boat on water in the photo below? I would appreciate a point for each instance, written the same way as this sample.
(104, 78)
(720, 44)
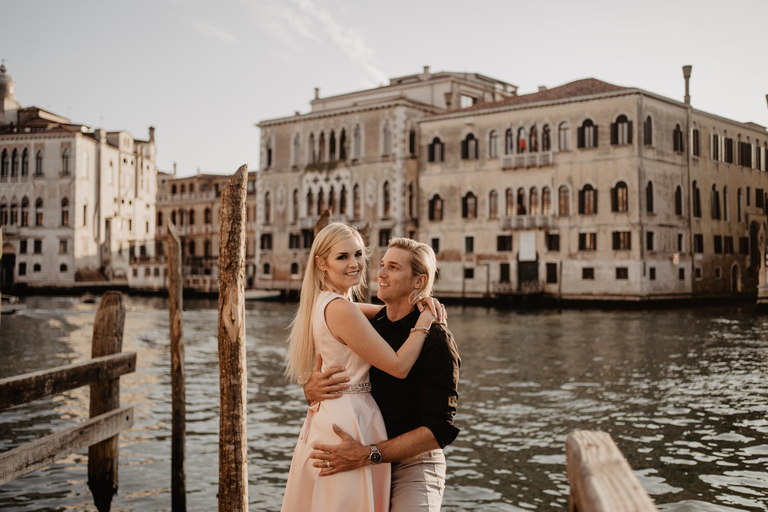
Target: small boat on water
(11, 304)
(262, 294)
(88, 298)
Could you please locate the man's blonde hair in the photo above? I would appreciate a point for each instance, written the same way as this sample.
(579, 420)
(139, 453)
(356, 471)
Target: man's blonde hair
(423, 262)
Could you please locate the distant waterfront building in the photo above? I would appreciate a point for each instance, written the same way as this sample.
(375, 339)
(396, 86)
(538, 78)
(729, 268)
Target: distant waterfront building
(75, 203)
(192, 204)
(584, 191)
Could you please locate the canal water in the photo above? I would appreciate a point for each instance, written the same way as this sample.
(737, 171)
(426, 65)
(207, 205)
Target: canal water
(683, 392)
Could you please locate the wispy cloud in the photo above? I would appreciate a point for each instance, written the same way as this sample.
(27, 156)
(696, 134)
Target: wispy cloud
(209, 30)
(312, 21)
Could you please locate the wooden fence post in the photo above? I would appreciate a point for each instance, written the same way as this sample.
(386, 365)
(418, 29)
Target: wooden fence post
(178, 386)
(105, 396)
(233, 462)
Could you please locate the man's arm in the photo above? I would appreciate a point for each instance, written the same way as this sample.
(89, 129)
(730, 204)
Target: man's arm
(349, 454)
(324, 385)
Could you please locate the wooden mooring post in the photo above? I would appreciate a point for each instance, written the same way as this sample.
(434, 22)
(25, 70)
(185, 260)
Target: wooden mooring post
(233, 450)
(107, 418)
(178, 374)
(600, 477)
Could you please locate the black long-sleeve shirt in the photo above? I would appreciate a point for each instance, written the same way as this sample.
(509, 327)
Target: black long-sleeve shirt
(428, 396)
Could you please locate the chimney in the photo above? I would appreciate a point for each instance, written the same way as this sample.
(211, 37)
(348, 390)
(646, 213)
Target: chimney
(687, 76)
(317, 93)
(174, 169)
(151, 134)
(542, 88)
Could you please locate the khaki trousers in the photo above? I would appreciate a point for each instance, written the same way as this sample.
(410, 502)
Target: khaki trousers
(418, 483)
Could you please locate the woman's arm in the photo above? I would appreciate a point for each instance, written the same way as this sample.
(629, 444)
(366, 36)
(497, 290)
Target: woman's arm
(348, 325)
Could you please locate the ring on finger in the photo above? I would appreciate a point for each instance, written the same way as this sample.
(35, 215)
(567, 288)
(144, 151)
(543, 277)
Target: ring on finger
(328, 463)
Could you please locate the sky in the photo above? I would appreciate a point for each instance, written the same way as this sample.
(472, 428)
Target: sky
(203, 73)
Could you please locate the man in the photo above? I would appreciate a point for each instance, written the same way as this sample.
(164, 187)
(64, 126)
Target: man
(418, 410)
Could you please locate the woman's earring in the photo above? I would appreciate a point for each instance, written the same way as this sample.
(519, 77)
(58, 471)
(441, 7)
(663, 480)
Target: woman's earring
(323, 271)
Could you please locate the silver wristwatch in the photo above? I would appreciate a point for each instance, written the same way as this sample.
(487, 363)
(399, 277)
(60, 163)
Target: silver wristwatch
(375, 456)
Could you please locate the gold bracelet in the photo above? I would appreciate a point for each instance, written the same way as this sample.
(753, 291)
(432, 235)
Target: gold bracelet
(425, 330)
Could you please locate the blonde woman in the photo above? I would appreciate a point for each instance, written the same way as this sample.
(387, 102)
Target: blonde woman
(328, 324)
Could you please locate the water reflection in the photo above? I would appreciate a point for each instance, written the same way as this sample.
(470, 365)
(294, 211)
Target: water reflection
(682, 392)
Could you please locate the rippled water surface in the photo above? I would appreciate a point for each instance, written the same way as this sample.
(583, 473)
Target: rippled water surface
(683, 392)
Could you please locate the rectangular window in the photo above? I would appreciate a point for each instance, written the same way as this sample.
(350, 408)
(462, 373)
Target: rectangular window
(504, 273)
(469, 273)
(681, 274)
(718, 273)
(503, 243)
(551, 273)
(38, 247)
(469, 244)
(695, 144)
(22, 247)
(729, 151)
(553, 242)
(62, 246)
(697, 272)
(759, 198)
(679, 242)
(728, 244)
(588, 273)
(698, 243)
(743, 245)
(652, 273)
(622, 273)
(385, 235)
(266, 242)
(307, 237)
(718, 244)
(294, 241)
(22, 269)
(587, 241)
(649, 240)
(436, 245)
(622, 240)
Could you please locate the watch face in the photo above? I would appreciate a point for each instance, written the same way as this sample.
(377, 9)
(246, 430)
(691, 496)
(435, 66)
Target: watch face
(375, 456)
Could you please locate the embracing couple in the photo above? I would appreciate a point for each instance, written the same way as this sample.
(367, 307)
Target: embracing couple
(381, 381)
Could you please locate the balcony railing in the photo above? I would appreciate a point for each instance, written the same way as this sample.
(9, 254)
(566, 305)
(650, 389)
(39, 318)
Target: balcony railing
(527, 222)
(525, 160)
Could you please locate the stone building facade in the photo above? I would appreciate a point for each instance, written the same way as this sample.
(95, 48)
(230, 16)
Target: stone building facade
(75, 203)
(584, 191)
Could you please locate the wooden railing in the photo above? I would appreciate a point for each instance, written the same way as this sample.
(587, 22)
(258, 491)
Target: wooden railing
(107, 418)
(600, 477)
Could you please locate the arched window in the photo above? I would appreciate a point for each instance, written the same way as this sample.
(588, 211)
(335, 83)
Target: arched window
(493, 144)
(15, 163)
(726, 204)
(509, 206)
(521, 143)
(320, 201)
(546, 201)
(25, 162)
(39, 163)
(38, 212)
(436, 208)
(192, 247)
(714, 205)
(14, 212)
(356, 201)
(386, 139)
(63, 267)
(546, 138)
(588, 200)
(677, 139)
(310, 202)
(587, 134)
(267, 207)
(435, 151)
(65, 212)
(343, 201)
(173, 217)
(386, 202)
(621, 131)
(343, 145)
(332, 200)
(696, 199)
(295, 205)
(266, 269)
(297, 150)
(159, 219)
(649, 197)
(4, 164)
(469, 147)
(564, 137)
(534, 139)
(619, 198)
(332, 146)
(563, 201)
(357, 142)
(24, 212)
(509, 142)
(648, 132)
(268, 152)
(182, 216)
(294, 269)
(4, 213)
(521, 207)
(207, 216)
(469, 206)
(311, 152)
(65, 162)
(191, 217)
(533, 201)
(411, 200)
(321, 148)
(679, 200)
(738, 204)
(493, 205)
(183, 188)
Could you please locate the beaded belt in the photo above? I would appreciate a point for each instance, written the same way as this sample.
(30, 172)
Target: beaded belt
(363, 387)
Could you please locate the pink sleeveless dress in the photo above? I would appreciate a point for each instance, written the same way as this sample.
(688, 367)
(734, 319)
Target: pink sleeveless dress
(364, 490)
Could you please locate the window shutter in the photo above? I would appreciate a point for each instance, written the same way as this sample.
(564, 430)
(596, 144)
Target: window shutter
(614, 133)
(442, 151)
(431, 156)
(616, 243)
(464, 149)
(464, 207)
(580, 136)
(581, 201)
(595, 138)
(595, 192)
(614, 200)
(629, 132)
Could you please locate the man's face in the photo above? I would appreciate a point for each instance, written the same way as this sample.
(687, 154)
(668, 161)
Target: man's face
(396, 279)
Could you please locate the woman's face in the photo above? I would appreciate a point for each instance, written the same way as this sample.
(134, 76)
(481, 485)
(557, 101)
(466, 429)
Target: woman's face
(344, 264)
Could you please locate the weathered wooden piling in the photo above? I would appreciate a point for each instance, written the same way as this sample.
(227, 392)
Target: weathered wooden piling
(178, 374)
(601, 479)
(105, 396)
(233, 462)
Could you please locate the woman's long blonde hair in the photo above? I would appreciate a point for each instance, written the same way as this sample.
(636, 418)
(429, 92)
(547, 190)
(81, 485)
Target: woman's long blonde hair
(301, 346)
